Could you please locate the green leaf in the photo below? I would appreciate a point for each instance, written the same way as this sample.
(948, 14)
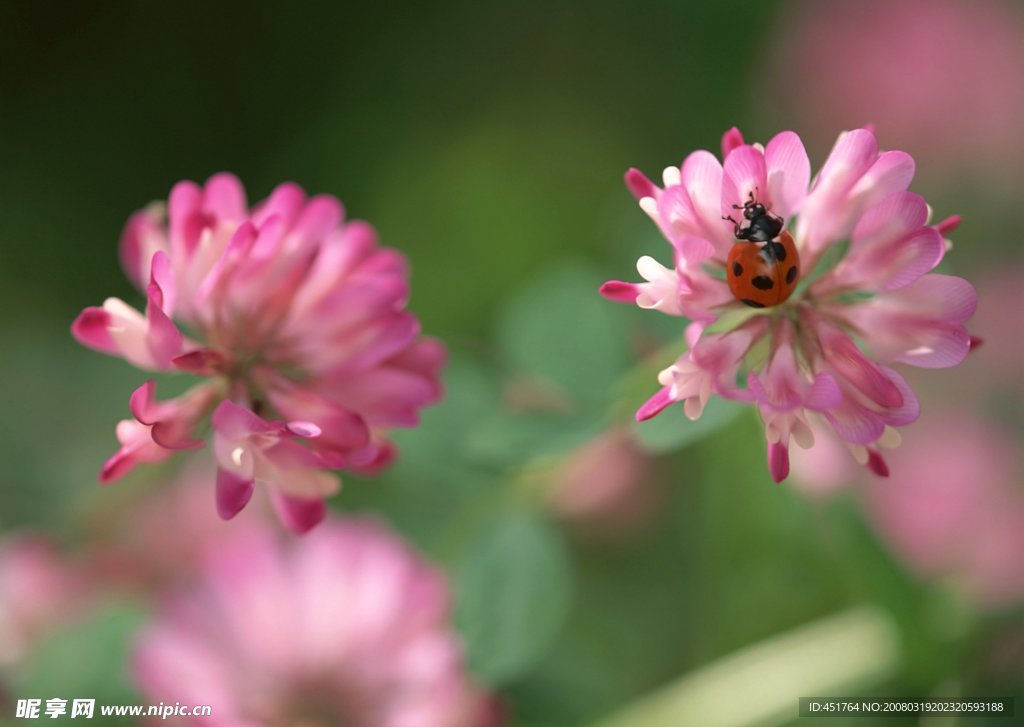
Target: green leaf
(514, 591)
(440, 443)
(513, 439)
(671, 429)
(559, 328)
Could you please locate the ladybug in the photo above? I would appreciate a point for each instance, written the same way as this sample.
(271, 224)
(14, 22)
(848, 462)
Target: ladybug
(763, 265)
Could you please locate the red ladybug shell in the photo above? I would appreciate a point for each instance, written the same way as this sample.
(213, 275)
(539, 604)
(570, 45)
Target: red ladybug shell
(763, 274)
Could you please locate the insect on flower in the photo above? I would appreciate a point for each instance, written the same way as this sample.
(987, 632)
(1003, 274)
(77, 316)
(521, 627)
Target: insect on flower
(763, 266)
(803, 347)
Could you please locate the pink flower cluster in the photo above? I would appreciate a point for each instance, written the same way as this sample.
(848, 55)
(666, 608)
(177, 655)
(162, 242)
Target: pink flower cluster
(866, 297)
(297, 320)
(346, 626)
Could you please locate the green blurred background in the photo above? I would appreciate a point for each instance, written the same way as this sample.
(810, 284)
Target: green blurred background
(488, 142)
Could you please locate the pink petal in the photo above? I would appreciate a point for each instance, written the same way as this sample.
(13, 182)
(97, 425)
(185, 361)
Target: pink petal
(285, 202)
(676, 213)
(385, 396)
(303, 429)
(778, 461)
(731, 140)
(788, 171)
(846, 359)
(876, 463)
(701, 177)
(920, 324)
(236, 422)
(885, 265)
(655, 405)
(224, 198)
(949, 224)
(824, 393)
(853, 154)
(912, 258)
(137, 447)
(91, 329)
(236, 252)
(297, 514)
(427, 357)
(173, 434)
(288, 457)
(909, 409)
(321, 215)
(130, 331)
(143, 235)
(163, 338)
(361, 349)
(855, 424)
(827, 211)
(745, 174)
(338, 426)
(142, 403)
(233, 493)
(640, 185)
(375, 459)
(202, 361)
(892, 218)
(161, 274)
(185, 219)
(619, 291)
(892, 172)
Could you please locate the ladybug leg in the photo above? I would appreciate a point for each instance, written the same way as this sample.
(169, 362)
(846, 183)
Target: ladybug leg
(735, 225)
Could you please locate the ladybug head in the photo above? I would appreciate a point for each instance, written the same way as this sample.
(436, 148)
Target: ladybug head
(752, 210)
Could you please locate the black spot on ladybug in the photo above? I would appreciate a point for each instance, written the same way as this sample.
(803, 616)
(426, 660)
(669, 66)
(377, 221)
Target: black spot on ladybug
(773, 251)
(763, 282)
(791, 274)
(752, 303)
(737, 269)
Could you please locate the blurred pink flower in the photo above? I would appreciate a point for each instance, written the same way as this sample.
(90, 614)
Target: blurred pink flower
(297, 318)
(821, 356)
(39, 591)
(346, 626)
(133, 547)
(954, 508)
(605, 486)
(942, 77)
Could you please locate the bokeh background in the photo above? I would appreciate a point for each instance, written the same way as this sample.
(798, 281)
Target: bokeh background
(592, 564)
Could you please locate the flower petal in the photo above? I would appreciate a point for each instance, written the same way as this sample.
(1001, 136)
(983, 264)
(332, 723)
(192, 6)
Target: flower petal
(298, 514)
(745, 177)
(778, 461)
(618, 291)
(920, 324)
(788, 171)
(224, 198)
(655, 405)
(92, 328)
(640, 185)
(701, 177)
(731, 140)
(233, 492)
